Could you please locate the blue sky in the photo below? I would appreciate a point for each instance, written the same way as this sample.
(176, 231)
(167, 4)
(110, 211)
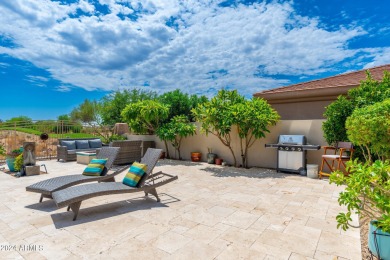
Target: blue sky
(55, 54)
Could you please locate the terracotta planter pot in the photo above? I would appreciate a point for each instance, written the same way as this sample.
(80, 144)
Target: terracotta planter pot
(196, 157)
(218, 161)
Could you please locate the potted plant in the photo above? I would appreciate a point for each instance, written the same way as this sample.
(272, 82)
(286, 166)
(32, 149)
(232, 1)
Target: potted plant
(211, 156)
(196, 156)
(10, 159)
(18, 163)
(218, 161)
(367, 193)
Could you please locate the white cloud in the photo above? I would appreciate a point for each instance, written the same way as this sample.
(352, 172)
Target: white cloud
(63, 88)
(250, 44)
(381, 56)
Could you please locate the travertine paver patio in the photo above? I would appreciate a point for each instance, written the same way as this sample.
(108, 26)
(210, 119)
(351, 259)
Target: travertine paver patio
(211, 212)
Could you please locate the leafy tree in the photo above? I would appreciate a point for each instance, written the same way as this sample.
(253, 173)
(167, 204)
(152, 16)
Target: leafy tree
(252, 118)
(112, 104)
(86, 112)
(19, 121)
(369, 127)
(64, 117)
(174, 131)
(336, 114)
(195, 101)
(217, 118)
(369, 92)
(146, 117)
(45, 126)
(180, 103)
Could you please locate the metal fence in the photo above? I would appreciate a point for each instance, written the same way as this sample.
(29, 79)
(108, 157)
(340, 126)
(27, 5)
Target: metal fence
(14, 134)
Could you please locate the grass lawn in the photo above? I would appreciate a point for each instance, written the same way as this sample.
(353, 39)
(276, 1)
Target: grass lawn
(52, 135)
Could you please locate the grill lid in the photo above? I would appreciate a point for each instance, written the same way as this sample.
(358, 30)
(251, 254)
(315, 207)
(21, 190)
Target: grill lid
(292, 139)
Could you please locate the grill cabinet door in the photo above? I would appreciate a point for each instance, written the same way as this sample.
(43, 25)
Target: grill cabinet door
(290, 160)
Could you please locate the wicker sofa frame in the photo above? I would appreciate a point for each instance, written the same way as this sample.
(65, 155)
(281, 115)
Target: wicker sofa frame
(62, 151)
(47, 187)
(130, 151)
(74, 196)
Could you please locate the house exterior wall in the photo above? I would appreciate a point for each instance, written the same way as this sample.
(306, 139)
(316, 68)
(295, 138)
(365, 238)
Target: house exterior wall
(259, 156)
(301, 110)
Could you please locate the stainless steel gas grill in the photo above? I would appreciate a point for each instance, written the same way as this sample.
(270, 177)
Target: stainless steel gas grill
(292, 153)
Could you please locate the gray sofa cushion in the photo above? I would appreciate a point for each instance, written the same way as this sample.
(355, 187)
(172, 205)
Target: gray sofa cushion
(82, 144)
(95, 143)
(70, 145)
(81, 150)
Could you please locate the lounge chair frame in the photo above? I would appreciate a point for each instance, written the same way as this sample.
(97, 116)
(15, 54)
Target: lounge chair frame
(73, 197)
(47, 187)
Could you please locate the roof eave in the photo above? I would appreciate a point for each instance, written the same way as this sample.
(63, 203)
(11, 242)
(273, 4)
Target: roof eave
(305, 95)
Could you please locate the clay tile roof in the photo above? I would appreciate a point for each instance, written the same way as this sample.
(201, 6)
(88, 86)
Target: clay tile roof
(346, 79)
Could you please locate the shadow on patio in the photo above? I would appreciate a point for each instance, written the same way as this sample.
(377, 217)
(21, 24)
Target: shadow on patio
(258, 173)
(104, 211)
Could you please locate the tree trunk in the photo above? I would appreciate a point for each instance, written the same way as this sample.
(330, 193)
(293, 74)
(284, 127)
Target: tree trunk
(234, 157)
(242, 154)
(166, 148)
(178, 148)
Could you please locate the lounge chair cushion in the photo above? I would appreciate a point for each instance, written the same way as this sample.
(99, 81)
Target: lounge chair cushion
(95, 167)
(95, 143)
(82, 144)
(136, 171)
(70, 145)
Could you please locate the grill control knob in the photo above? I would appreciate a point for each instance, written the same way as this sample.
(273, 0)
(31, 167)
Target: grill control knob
(299, 149)
(286, 148)
(292, 148)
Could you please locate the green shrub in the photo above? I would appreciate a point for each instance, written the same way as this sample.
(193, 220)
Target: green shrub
(18, 164)
(369, 127)
(367, 193)
(336, 114)
(369, 92)
(115, 137)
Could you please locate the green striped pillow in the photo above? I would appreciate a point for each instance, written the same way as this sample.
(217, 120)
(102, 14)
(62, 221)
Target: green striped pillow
(136, 171)
(95, 167)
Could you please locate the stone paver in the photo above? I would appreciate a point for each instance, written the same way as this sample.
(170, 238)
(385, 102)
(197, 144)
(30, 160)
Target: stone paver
(210, 212)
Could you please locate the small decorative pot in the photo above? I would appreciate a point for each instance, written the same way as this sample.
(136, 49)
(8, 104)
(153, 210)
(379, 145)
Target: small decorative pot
(196, 157)
(211, 158)
(11, 164)
(378, 242)
(218, 161)
(162, 156)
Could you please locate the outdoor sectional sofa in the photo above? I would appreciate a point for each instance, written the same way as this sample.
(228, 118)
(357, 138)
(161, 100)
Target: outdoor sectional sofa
(67, 148)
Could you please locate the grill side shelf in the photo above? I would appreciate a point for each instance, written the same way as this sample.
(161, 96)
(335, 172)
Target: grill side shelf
(272, 145)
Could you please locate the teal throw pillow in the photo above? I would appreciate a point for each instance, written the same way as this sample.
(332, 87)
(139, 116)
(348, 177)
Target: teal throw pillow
(136, 171)
(95, 167)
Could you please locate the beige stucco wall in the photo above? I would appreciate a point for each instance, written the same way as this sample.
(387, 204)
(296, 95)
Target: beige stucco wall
(301, 110)
(258, 155)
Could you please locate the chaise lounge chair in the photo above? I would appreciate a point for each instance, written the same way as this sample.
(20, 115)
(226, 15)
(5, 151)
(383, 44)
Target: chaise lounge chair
(47, 187)
(73, 196)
